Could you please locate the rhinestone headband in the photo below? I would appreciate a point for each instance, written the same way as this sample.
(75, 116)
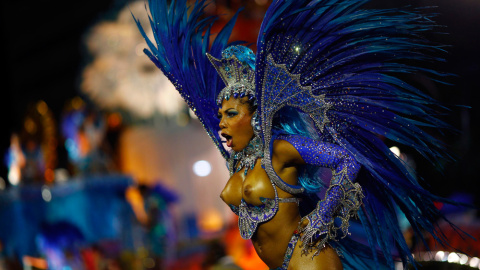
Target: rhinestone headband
(237, 70)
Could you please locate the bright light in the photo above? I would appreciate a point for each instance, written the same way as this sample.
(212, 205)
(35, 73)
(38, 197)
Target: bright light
(395, 150)
(474, 262)
(14, 175)
(453, 258)
(439, 256)
(61, 175)
(120, 75)
(210, 221)
(192, 114)
(202, 168)
(46, 194)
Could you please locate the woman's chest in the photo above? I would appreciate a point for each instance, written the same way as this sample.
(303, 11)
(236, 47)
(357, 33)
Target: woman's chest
(250, 187)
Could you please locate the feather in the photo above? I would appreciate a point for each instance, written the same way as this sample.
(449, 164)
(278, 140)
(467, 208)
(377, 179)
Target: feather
(181, 41)
(351, 60)
(342, 66)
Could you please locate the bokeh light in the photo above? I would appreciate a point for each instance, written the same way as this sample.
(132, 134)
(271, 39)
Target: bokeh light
(202, 168)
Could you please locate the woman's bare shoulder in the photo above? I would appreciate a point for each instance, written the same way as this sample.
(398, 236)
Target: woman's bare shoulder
(285, 152)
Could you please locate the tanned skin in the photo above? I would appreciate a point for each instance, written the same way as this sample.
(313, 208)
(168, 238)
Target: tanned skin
(272, 237)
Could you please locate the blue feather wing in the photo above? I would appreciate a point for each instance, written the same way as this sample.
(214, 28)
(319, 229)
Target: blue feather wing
(181, 41)
(342, 65)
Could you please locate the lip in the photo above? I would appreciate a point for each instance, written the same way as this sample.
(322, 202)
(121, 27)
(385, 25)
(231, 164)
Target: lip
(228, 138)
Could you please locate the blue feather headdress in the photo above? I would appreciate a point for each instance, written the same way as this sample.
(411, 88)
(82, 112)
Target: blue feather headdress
(182, 39)
(340, 65)
(347, 62)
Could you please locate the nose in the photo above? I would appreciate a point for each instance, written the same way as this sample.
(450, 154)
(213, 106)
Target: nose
(222, 123)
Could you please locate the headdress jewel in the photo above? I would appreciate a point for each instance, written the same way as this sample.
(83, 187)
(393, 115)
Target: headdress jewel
(237, 70)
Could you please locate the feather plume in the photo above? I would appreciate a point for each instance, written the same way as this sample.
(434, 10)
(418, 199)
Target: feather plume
(181, 41)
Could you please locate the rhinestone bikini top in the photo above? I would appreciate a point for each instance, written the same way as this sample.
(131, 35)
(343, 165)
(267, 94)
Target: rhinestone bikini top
(313, 152)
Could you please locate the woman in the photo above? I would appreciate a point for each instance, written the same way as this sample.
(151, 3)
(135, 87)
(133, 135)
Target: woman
(322, 91)
(272, 237)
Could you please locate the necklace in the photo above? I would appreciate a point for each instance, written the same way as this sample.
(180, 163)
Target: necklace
(247, 157)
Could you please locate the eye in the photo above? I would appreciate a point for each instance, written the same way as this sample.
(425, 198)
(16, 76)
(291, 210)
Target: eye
(231, 113)
(219, 115)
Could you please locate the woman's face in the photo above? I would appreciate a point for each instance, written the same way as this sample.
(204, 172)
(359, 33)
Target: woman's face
(235, 126)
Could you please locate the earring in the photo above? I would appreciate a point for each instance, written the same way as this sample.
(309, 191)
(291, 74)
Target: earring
(255, 122)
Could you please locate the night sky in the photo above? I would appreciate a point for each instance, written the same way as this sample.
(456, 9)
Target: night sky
(43, 55)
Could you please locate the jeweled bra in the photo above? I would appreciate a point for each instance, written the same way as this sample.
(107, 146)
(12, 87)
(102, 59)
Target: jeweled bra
(251, 215)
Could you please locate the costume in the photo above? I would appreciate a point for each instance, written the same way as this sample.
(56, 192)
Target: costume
(331, 68)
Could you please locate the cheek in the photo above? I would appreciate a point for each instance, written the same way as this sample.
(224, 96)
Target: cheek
(246, 127)
(245, 121)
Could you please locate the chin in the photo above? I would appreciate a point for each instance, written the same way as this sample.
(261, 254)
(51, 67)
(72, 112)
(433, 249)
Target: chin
(237, 149)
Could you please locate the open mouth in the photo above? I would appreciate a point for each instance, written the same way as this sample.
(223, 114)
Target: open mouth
(228, 139)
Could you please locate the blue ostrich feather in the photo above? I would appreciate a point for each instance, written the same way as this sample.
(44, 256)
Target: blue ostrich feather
(354, 58)
(181, 41)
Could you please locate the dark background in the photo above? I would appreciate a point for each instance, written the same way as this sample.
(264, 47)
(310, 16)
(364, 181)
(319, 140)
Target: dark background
(43, 56)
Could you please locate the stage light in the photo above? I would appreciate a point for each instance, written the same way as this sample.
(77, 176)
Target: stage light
(202, 168)
(395, 150)
(474, 262)
(61, 175)
(450, 257)
(46, 194)
(439, 256)
(453, 258)
(14, 176)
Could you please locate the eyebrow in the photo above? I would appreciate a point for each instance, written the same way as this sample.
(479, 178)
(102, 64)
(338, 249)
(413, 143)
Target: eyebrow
(226, 110)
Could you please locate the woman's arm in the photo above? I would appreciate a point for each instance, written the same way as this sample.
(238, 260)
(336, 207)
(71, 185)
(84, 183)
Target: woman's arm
(297, 150)
(342, 198)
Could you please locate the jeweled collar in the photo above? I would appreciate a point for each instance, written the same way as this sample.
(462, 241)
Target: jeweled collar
(247, 157)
